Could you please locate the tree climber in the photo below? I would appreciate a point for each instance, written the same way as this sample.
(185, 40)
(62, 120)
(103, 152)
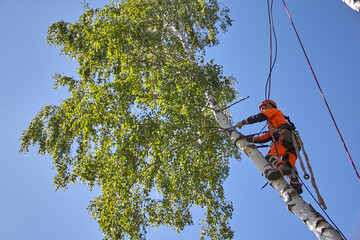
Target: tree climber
(282, 155)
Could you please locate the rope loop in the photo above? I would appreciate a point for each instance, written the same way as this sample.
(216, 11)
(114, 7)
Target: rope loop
(296, 138)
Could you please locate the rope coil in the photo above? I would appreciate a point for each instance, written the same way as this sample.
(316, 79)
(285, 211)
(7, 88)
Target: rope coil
(296, 135)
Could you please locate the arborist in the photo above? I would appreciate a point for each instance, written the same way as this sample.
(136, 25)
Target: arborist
(282, 154)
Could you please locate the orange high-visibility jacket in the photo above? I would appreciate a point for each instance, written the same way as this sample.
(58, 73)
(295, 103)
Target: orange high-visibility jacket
(275, 119)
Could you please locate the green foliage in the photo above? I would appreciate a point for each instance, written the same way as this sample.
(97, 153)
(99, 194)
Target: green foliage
(129, 123)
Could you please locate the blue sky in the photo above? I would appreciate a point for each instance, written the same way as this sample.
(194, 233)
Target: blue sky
(330, 31)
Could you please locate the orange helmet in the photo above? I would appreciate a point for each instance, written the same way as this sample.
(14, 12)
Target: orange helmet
(266, 102)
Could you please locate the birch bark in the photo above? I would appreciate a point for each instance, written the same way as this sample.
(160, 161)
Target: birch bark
(354, 4)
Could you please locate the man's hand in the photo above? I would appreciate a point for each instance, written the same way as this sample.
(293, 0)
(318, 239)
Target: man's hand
(240, 124)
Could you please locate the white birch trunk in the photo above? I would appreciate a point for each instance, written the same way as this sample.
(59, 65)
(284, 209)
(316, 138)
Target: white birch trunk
(295, 204)
(354, 4)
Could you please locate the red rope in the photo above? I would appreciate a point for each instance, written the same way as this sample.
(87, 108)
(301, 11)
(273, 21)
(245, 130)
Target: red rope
(322, 94)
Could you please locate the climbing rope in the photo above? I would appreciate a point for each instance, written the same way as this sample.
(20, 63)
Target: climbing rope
(270, 29)
(322, 94)
(322, 209)
(296, 135)
(272, 63)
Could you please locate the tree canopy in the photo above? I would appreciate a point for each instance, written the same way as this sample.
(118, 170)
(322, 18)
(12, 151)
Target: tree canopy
(136, 122)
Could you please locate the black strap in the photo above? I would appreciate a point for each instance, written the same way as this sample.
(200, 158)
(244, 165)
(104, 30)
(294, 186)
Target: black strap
(265, 185)
(239, 138)
(291, 123)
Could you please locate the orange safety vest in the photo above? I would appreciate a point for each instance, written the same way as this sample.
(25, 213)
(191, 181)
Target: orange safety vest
(275, 119)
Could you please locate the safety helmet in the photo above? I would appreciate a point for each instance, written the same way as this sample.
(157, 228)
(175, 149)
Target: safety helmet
(266, 102)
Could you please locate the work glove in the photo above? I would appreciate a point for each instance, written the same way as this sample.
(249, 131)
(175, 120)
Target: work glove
(240, 124)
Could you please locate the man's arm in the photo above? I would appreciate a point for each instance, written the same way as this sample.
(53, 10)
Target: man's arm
(263, 138)
(253, 119)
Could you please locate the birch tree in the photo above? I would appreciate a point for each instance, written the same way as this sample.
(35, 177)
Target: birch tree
(137, 102)
(139, 123)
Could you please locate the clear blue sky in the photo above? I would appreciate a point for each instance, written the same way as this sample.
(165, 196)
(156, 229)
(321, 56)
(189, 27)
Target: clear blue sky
(330, 31)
